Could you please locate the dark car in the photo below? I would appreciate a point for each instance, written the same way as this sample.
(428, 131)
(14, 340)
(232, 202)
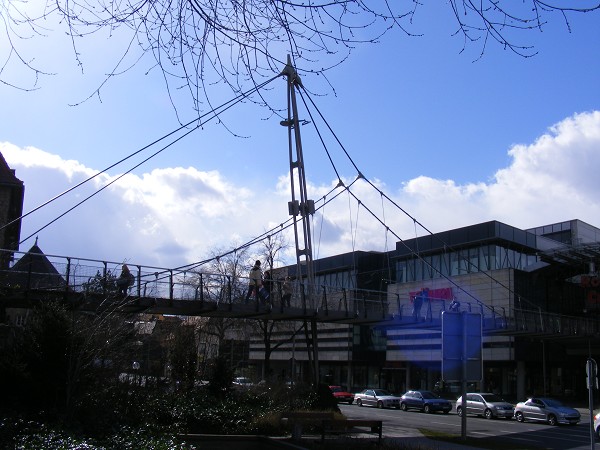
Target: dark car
(425, 401)
(341, 395)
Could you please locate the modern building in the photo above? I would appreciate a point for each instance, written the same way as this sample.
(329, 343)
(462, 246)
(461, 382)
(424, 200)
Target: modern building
(347, 355)
(540, 284)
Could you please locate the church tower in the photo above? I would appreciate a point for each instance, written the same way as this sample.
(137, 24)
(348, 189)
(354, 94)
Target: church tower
(12, 191)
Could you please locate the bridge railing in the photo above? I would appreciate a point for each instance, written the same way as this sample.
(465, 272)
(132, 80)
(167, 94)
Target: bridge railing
(534, 321)
(47, 272)
(81, 275)
(32, 271)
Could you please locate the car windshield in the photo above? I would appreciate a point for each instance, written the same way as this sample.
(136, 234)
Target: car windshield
(492, 398)
(428, 394)
(336, 389)
(380, 392)
(552, 403)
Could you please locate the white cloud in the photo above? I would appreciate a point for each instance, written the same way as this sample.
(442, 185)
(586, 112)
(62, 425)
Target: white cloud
(173, 216)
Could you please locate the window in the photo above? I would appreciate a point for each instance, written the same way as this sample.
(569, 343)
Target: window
(445, 266)
(418, 269)
(473, 260)
(486, 258)
(401, 272)
(464, 261)
(454, 263)
(436, 264)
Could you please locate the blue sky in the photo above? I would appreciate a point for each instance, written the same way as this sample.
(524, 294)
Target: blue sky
(453, 138)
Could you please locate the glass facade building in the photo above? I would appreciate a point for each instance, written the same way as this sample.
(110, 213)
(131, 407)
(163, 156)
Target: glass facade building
(488, 265)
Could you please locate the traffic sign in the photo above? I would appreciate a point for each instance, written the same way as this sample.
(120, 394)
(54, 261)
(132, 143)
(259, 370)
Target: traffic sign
(461, 346)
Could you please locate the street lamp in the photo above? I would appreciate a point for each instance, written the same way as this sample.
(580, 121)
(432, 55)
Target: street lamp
(136, 368)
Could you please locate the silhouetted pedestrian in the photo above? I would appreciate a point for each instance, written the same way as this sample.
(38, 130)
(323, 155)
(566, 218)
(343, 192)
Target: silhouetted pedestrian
(286, 291)
(254, 281)
(125, 280)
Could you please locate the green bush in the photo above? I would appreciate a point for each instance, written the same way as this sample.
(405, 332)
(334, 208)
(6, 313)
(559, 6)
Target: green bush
(128, 415)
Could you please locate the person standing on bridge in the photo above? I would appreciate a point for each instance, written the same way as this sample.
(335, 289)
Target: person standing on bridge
(125, 280)
(267, 292)
(286, 291)
(418, 303)
(254, 281)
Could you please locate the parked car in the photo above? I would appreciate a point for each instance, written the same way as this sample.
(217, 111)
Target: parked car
(242, 382)
(341, 395)
(597, 425)
(486, 404)
(548, 410)
(425, 401)
(377, 397)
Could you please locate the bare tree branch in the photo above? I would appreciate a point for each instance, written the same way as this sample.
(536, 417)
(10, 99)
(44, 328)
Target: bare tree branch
(197, 44)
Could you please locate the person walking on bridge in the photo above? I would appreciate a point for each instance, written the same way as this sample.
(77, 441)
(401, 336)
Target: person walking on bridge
(254, 281)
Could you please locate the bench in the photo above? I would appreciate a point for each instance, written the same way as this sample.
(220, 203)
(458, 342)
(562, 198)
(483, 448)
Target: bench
(329, 424)
(298, 419)
(345, 426)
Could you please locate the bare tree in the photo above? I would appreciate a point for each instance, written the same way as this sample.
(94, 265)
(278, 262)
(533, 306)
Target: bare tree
(275, 334)
(214, 331)
(273, 246)
(198, 43)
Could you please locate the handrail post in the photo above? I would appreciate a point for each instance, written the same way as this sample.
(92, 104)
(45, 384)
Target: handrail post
(256, 298)
(67, 276)
(303, 297)
(139, 281)
(201, 288)
(280, 292)
(429, 312)
(325, 300)
(229, 294)
(171, 287)
(399, 305)
(104, 277)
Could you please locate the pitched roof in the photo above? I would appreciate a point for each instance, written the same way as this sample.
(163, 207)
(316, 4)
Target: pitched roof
(7, 175)
(35, 271)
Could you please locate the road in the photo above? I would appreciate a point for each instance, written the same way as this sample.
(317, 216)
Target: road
(397, 423)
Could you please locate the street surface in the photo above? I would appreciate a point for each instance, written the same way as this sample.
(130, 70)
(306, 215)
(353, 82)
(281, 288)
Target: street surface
(398, 423)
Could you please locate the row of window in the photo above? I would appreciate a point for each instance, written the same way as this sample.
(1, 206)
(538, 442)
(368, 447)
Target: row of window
(345, 279)
(476, 259)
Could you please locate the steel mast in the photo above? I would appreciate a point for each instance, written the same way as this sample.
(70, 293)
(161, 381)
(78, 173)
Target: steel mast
(302, 208)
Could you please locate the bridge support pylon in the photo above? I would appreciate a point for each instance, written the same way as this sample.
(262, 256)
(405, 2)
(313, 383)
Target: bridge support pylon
(301, 208)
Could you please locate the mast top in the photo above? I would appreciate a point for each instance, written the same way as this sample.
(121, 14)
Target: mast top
(290, 72)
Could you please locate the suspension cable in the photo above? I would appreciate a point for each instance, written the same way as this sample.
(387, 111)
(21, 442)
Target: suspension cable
(215, 114)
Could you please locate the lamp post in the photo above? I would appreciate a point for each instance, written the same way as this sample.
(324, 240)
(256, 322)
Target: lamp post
(136, 368)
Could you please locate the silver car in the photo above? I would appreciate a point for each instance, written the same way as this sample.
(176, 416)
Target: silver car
(547, 410)
(377, 397)
(486, 404)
